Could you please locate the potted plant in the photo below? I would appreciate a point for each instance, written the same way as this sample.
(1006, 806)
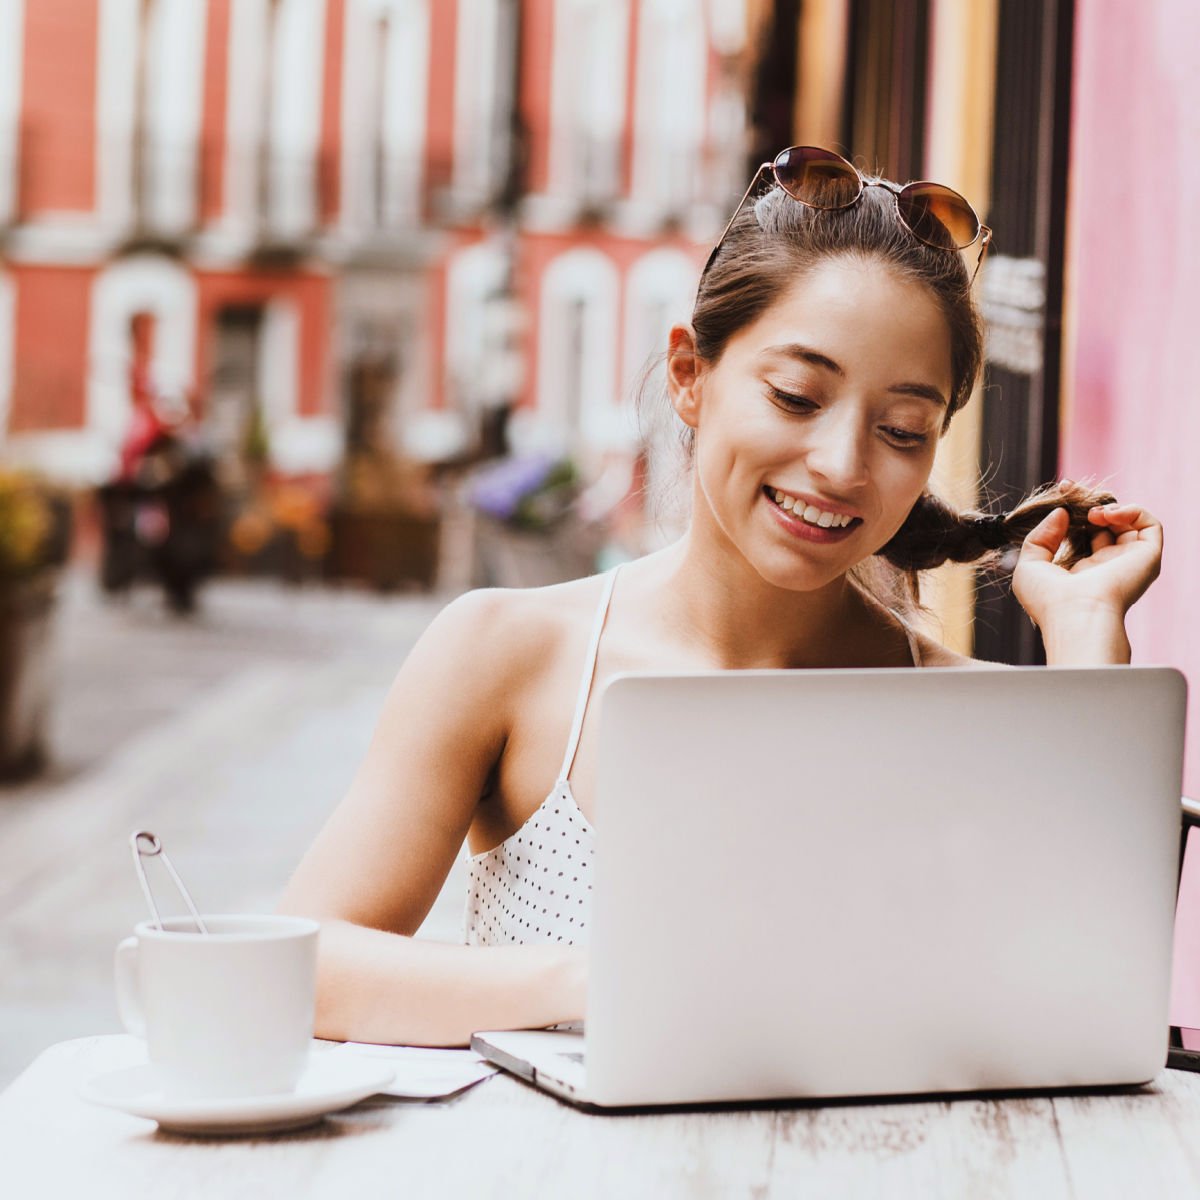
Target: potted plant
(385, 523)
(280, 530)
(531, 530)
(34, 538)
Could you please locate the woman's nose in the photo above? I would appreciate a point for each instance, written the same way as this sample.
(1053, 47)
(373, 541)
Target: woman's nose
(838, 454)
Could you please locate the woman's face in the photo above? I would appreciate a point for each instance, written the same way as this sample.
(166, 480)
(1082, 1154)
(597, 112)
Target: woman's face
(828, 408)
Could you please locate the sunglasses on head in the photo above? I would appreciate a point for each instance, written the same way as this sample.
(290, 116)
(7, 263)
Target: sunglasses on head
(821, 179)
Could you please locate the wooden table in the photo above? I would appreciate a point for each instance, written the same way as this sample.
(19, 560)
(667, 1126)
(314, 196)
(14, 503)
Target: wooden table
(504, 1139)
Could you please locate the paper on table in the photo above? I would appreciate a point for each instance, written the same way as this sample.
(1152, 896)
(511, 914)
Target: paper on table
(421, 1072)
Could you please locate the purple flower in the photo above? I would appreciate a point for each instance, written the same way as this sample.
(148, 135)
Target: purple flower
(499, 490)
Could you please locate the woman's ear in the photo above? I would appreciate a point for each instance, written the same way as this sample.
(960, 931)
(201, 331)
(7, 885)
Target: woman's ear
(683, 372)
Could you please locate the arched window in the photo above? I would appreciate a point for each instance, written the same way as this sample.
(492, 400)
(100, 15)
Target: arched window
(384, 80)
(164, 291)
(476, 283)
(577, 379)
(670, 105)
(658, 294)
(588, 119)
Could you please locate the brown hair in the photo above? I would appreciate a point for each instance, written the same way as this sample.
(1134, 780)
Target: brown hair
(776, 241)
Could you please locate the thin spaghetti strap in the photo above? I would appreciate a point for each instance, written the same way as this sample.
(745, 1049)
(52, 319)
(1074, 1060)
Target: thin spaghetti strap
(589, 671)
(914, 646)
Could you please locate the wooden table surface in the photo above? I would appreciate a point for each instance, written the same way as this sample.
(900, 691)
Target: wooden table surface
(505, 1139)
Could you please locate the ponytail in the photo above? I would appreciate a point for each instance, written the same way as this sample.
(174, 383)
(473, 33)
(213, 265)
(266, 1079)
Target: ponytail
(934, 533)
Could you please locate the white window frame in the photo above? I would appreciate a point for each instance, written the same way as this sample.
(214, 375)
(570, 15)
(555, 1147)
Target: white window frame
(402, 122)
(670, 102)
(294, 113)
(296, 443)
(664, 280)
(473, 276)
(581, 274)
(245, 117)
(589, 65)
(174, 113)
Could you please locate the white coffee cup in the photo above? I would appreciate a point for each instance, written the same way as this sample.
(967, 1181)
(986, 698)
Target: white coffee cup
(225, 1014)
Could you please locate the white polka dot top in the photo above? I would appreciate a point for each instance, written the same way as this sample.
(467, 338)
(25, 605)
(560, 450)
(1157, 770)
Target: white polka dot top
(537, 885)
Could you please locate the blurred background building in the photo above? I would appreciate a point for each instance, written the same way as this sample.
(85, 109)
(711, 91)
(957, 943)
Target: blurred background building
(367, 242)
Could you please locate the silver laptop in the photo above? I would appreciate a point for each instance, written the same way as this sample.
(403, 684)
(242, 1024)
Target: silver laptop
(865, 883)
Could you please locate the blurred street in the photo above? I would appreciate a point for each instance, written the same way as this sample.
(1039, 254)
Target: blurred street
(231, 736)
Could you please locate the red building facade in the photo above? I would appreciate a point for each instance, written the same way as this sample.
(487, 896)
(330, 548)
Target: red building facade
(494, 202)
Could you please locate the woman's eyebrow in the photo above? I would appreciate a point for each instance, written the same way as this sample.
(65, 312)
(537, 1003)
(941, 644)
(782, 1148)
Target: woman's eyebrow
(923, 391)
(815, 358)
(805, 354)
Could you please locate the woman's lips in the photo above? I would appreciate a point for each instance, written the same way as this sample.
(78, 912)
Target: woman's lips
(800, 528)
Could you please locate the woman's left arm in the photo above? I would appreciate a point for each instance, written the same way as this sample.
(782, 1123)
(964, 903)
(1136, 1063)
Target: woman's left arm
(1081, 611)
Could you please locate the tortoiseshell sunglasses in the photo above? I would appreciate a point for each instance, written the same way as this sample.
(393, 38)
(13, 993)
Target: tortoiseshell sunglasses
(931, 212)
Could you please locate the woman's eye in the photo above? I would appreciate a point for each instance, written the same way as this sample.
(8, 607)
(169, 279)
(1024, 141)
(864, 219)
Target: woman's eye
(907, 437)
(788, 400)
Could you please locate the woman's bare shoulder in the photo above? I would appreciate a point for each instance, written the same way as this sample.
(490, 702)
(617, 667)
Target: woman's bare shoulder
(512, 632)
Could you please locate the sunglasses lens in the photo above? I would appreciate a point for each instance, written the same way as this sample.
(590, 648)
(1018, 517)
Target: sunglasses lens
(818, 178)
(938, 216)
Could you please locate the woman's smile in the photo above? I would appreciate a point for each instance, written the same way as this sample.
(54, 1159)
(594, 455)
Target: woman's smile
(807, 521)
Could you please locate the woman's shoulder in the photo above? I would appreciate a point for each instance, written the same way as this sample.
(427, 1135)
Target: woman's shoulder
(515, 629)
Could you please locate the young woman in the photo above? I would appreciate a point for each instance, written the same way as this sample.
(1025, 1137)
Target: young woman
(833, 339)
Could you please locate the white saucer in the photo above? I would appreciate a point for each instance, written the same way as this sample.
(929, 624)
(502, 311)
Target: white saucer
(329, 1082)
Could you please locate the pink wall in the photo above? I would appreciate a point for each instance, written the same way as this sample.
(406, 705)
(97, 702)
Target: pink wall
(1132, 413)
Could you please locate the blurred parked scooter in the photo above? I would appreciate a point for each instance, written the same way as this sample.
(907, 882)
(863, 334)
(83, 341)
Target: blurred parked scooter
(161, 515)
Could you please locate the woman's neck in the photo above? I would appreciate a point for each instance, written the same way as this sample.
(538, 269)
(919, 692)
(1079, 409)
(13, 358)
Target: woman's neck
(735, 619)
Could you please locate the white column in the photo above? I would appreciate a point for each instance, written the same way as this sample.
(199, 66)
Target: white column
(11, 33)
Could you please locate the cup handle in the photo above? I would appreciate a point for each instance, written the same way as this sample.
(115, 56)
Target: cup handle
(129, 1004)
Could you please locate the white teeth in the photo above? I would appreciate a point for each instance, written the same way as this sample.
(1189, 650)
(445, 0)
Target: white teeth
(810, 513)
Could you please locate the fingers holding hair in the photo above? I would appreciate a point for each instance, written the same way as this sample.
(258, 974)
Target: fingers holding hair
(1127, 523)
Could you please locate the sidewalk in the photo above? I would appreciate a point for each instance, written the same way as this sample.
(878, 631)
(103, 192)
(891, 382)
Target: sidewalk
(232, 737)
